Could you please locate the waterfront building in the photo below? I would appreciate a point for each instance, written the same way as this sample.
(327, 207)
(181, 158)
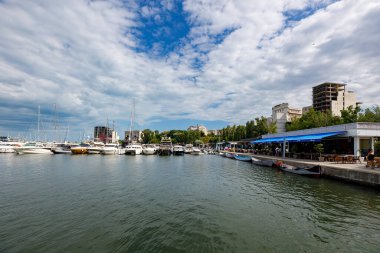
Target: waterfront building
(134, 136)
(353, 138)
(282, 114)
(198, 128)
(333, 97)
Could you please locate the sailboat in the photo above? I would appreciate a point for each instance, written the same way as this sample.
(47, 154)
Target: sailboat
(133, 148)
(34, 147)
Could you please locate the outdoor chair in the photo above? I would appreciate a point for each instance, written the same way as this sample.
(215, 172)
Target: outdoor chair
(338, 159)
(350, 159)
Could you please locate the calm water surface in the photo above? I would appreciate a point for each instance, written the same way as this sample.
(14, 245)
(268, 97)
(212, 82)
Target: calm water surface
(64, 203)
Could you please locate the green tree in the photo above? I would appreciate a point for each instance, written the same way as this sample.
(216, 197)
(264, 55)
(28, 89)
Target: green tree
(350, 115)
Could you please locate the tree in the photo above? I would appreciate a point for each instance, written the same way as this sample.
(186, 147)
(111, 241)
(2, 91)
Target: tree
(350, 115)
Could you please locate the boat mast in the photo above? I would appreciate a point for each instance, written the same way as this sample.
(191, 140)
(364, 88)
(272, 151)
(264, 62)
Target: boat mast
(131, 124)
(107, 132)
(38, 124)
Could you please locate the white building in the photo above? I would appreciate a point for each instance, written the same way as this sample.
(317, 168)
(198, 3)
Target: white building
(281, 114)
(198, 128)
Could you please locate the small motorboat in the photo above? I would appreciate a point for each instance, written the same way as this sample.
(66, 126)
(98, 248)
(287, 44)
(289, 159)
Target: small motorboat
(267, 163)
(149, 149)
(178, 150)
(244, 158)
(61, 148)
(314, 171)
(230, 155)
(196, 151)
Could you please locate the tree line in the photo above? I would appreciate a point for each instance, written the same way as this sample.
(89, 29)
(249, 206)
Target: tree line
(260, 126)
(251, 129)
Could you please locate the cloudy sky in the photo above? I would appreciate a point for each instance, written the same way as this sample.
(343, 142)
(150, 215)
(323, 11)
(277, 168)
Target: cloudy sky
(212, 62)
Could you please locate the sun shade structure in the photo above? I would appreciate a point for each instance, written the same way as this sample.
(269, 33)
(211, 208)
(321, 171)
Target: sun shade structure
(299, 138)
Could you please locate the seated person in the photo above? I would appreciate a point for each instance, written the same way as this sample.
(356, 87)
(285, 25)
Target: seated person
(370, 159)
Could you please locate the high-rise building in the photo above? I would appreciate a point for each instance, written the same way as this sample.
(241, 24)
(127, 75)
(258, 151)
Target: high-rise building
(103, 134)
(333, 97)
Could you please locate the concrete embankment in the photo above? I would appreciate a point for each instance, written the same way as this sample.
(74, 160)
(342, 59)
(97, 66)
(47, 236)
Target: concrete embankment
(356, 173)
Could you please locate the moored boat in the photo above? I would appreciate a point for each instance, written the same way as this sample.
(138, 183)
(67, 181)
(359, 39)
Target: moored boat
(80, 149)
(61, 148)
(95, 148)
(32, 148)
(110, 149)
(8, 147)
(196, 151)
(166, 147)
(188, 148)
(230, 155)
(267, 163)
(133, 149)
(244, 158)
(314, 171)
(178, 150)
(149, 149)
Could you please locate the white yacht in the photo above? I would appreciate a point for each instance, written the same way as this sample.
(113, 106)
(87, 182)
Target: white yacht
(110, 149)
(166, 147)
(8, 147)
(178, 150)
(133, 149)
(149, 149)
(188, 148)
(196, 151)
(95, 148)
(32, 148)
(61, 148)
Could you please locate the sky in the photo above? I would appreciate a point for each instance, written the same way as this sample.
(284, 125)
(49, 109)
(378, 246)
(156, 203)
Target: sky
(210, 62)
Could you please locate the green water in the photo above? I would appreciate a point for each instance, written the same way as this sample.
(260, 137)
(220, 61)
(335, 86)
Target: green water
(64, 203)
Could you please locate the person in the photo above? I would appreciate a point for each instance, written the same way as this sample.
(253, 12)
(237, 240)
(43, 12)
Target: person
(370, 159)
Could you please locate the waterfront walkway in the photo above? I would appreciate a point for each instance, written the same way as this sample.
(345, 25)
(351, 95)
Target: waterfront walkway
(352, 172)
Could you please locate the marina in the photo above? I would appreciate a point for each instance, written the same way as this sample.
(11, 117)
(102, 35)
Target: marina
(177, 203)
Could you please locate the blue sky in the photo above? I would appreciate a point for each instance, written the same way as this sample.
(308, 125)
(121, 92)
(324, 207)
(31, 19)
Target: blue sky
(184, 62)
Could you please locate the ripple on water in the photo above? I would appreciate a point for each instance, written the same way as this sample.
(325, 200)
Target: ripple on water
(178, 204)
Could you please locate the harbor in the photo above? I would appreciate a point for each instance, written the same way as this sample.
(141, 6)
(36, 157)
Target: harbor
(204, 203)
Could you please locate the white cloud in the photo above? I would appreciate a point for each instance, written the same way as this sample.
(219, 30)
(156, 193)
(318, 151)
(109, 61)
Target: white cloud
(78, 55)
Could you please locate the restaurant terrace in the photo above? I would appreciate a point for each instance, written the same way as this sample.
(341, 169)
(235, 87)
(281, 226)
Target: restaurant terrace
(352, 139)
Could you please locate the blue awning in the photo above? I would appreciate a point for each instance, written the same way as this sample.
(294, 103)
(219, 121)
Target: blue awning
(299, 138)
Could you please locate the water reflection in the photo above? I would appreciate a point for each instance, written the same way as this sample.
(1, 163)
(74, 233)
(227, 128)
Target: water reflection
(189, 203)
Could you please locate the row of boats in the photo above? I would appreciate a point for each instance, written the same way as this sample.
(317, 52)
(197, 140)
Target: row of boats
(313, 171)
(164, 148)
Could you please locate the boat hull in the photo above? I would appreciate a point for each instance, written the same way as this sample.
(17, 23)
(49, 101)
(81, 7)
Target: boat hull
(266, 163)
(33, 151)
(243, 158)
(164, 152)
(79, 151)
(148, 151)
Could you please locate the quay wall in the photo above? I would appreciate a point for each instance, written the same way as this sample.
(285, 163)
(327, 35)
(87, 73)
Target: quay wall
(341, 172)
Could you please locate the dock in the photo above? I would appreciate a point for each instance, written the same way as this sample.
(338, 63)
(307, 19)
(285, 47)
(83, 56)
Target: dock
(349, 172)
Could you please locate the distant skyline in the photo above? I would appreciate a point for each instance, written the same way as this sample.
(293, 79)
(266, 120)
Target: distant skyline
(184, 62)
